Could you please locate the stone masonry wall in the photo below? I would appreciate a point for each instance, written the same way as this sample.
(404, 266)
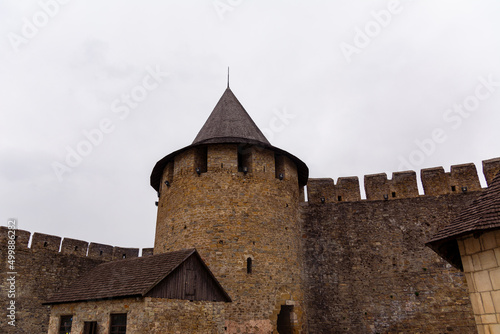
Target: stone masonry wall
(144, 316)
(231, 217)
(42, 270)
(481, 261)
(368, 270)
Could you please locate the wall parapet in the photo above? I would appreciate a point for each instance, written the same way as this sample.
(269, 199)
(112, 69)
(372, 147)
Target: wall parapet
(50, 243)
(435, 181)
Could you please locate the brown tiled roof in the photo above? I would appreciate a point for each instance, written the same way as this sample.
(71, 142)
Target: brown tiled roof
(123, 278)
(229, 122)
(483, 214)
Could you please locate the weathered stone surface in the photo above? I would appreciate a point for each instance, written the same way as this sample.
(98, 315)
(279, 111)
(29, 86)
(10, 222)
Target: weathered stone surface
(144, 315)
(367, 269)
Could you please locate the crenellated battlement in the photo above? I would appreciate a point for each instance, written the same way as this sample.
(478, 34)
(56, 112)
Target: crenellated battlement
(435, 181)
(41, 242)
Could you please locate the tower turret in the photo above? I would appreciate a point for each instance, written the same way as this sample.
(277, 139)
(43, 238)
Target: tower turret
(235, 198)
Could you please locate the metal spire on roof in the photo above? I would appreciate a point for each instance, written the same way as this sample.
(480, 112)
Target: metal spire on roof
(228, 77)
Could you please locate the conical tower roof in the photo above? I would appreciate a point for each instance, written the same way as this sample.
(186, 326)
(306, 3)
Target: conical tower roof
(229, 122)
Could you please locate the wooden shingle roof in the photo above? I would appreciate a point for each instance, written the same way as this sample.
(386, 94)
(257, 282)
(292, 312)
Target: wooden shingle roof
(229, 123)
(125, 278)
(483, 214)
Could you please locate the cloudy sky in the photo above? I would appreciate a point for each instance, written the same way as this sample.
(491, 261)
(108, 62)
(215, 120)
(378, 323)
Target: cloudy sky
(93, 93)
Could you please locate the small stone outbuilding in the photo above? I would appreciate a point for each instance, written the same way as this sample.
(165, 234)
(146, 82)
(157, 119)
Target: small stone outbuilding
(164, 293)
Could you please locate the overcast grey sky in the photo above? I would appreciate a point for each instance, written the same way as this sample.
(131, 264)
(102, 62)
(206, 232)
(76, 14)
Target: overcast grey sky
(350, 87)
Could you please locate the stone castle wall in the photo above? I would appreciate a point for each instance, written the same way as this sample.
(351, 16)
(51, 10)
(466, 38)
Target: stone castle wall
(42, 269)
(367, 269)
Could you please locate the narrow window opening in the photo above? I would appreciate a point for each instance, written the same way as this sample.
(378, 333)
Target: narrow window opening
(118, 324)
(124, 256)
(244, 158)
(221, 165)
(200, 160)
(76, 247)
(65, 325)
(279, 163)
(45, 244)
(100, 253)
(249, 265)
(90, 327)
(340, 198)
(393, 194)
(453, 188)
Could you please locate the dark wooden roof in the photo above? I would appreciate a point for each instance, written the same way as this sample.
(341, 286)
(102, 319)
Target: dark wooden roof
(126, 278)
(229, 123)
(482, 215)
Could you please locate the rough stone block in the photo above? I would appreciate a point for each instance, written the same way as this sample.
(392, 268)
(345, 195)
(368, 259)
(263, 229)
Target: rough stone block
(472, 245)
(490, 169)
(482, 280)
(488, 259)
(147, 251)
(435, 181)
(477, 303)
(495, 278)
(22, 238)
(470, 282)
(318, 188)
(488, 240)
(404, 184)
(487, 302)
(75, 247)
(488, 318)
(125, 253)
(348, 189)
(495, 296)
(376, 186)
(476, 263)
(467, 263)
(494, 328)
(100, 251)
(223, 156)
(45, 242)
(465, 176)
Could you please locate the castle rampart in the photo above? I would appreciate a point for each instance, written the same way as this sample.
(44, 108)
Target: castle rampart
(51, 243)
(435, 181)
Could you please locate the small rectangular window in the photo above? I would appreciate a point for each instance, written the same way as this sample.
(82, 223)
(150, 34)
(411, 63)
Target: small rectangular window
(118, 323)
(90, 327)
(65, 325)
(244, 158)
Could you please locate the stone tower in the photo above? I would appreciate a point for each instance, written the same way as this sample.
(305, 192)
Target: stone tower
(235, 198)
